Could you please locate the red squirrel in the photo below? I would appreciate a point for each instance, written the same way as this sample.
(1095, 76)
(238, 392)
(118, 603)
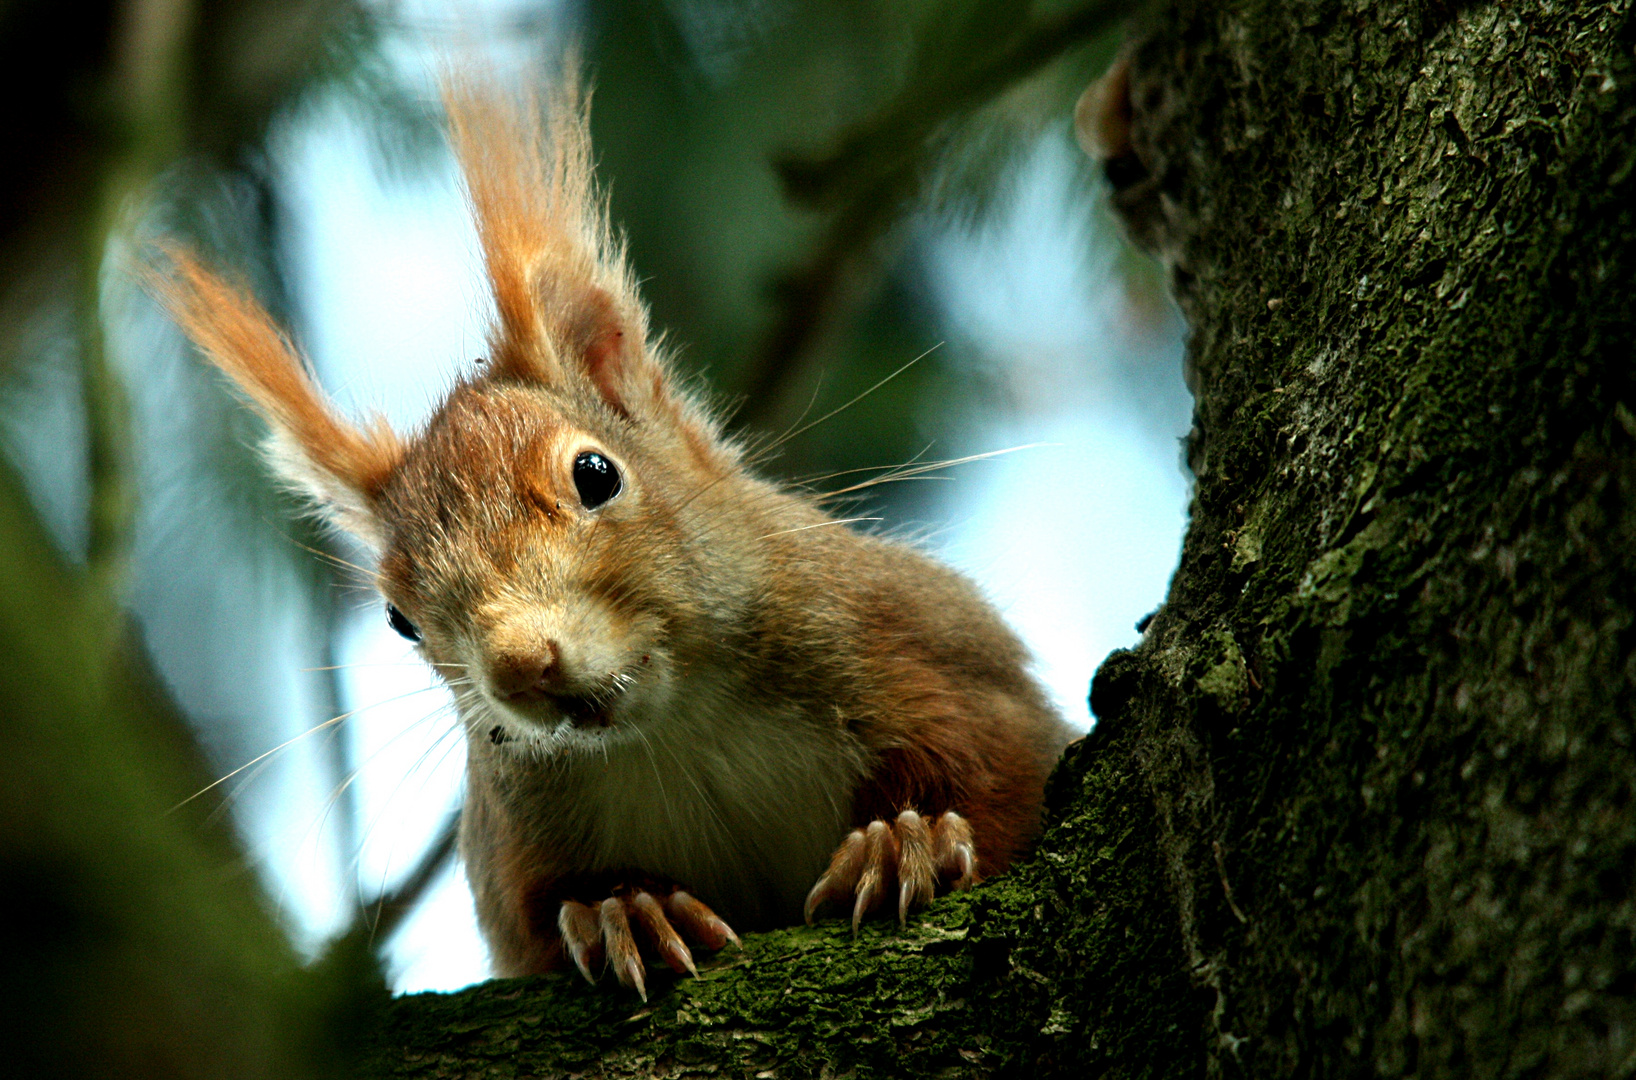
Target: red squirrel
(692, 700)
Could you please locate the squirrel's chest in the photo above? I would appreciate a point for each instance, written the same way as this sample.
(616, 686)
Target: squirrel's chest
(742, 810)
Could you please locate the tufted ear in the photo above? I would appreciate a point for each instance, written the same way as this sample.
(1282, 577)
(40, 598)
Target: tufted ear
(568, 313)
(314, 449)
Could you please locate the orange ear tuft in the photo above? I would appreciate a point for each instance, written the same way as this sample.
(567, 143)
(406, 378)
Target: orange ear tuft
(240, 338)
(567, 306)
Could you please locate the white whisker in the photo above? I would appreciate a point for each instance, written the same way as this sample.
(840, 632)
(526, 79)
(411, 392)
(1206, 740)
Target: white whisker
(792, 433)
(818, 525)
(330, 723)
(905, 472)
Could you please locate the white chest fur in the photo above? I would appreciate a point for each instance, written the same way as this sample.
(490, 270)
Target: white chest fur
(739, 806)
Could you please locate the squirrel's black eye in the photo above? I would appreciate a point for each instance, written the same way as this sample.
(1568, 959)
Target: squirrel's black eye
(596, 478)
(401, 624)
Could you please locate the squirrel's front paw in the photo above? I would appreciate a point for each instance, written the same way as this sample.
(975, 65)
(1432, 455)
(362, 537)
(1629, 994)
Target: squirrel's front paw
(911, 853)
(592, 932)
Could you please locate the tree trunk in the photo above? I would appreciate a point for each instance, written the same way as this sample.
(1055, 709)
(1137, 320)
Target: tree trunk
(1362, 800)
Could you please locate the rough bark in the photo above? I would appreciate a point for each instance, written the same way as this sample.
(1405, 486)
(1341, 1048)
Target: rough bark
(1361, 801)
(1389, 700)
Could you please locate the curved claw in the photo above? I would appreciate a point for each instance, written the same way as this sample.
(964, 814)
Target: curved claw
(604, 933)
(701, 924)
(910, 854)
(581, 936)
(838, 881)
(917, 870)
(651, 917)
(955, 850)
(879, 862)
(622, 955)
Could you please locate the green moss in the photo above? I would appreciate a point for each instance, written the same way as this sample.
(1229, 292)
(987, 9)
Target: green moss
(1226, 681)
(1377, 862)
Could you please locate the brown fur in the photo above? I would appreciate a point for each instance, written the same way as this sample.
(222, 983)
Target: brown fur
(766, 678)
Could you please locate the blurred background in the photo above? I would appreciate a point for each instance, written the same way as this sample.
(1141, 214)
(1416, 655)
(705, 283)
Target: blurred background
(815, 194)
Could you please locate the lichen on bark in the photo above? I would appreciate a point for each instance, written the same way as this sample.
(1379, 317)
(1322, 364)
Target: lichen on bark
(1361, 801)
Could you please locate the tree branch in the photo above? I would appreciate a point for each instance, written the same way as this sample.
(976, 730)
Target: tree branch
(877, 167)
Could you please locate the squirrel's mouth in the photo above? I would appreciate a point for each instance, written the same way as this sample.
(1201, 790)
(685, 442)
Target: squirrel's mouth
(591, 708)
(582, 710)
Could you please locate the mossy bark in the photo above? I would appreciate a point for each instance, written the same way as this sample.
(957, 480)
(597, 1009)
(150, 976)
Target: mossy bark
(1362, 800)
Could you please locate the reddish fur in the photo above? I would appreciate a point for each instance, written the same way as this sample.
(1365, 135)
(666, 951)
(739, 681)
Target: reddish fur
(946, 746)
(563, 295)
(600, 340)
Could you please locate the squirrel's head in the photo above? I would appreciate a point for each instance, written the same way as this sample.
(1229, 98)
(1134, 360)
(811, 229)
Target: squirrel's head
(541, 539)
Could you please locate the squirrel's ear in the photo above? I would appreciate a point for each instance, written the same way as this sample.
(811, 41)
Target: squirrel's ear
(315, 450)
(603, 340)
(567, 306)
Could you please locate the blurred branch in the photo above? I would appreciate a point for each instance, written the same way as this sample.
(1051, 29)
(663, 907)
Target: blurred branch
(390, 909)
(149, 58)
(135, 945)
(807, 297)
(107, 425)
(894, 138)
(881, 164)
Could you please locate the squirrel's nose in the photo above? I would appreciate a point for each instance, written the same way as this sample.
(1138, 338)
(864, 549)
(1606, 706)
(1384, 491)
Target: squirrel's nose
(526, 675)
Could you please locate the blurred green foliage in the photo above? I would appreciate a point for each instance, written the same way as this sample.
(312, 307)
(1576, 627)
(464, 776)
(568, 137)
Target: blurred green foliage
(774, 164)
(134, 942)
